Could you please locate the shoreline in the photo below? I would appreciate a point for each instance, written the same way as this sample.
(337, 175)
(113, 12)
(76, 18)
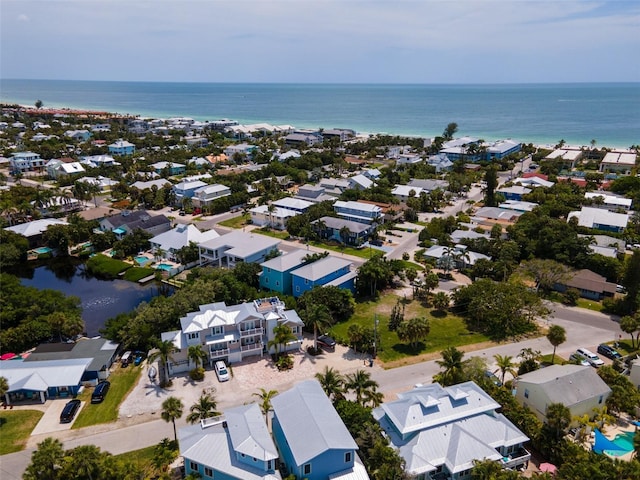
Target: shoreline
(56, 109)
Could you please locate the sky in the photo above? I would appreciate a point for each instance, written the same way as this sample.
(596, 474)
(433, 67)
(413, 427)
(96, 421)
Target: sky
(322, 41)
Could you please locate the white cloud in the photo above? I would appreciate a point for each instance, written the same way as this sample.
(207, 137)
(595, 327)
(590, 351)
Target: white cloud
(23, 18)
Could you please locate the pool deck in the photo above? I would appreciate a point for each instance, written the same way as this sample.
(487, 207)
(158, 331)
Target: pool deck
(622, 425)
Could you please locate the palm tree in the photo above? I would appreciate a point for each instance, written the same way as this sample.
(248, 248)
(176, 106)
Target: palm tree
(86, 461)
(636, 444)
(556, 336)
(205, 407)
(344, 234)
(197, 355)
(332, 383)
(282, 335)
(163, 353)
(171, 410)
(265, 397)
(321, 227)
(452, 364)
(364, 388)
(441, 301)
(505, 365)
(271, 208)
(318, 316)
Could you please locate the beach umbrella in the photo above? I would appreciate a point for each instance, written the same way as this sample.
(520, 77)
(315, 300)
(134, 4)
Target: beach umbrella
(548, 467)
(7, 356)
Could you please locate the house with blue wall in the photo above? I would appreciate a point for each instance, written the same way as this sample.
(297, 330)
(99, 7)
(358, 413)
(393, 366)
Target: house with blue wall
(600, 219)
(514, 192)
(171, 167)
(358, 211)
(330, 228)
(122, 147)
(276, 273)
(329, 271)
(310, 436)
(502, 148)
(25, 162)
(233, 446)
(187, 189)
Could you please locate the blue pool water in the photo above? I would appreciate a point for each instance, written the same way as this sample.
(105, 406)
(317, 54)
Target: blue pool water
(164, 266)
(141, 260)
(40, 250)
(623, 440)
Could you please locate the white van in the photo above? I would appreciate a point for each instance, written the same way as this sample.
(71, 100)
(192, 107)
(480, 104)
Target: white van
(590, 357)
(221, 371)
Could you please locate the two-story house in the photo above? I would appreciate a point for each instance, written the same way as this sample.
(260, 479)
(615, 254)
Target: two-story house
(276, 272)
(232, 333)
(235, 247)
(128, 221)
(171, 168)
(187, 189)
(358, 212)
(122, 147)
(328, 271)
(233, 446)
(311, 438)
(21, 162)
(242, 150)
(203, 196)
(441, 431)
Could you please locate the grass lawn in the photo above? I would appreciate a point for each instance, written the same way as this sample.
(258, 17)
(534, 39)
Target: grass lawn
(122, 381)
(356, 252)
(15, 428)
(590, 304)
(136, 273)
(236, 222)
(102, 265)
(446, 331)
(142, 457)
(272, 233)
(558, 360)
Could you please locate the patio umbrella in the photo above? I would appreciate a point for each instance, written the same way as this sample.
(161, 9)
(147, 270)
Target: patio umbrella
(7, 356)
(548, 467)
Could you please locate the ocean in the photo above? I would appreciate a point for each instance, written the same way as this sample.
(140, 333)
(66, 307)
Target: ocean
(608, 113)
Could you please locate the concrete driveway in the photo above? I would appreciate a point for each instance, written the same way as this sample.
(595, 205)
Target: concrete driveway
(50, 421)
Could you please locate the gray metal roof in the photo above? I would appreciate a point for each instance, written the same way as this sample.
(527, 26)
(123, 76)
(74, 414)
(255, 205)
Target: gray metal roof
(40, 375)
(309, 422)
(100, 350)
(568, 384)
(321, 268)
(285, 262)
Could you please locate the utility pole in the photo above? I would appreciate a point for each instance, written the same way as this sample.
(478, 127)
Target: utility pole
(375, 334)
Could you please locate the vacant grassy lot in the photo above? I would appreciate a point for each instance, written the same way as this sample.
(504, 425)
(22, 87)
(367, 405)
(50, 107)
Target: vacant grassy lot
(134, 274)
(446, 330)
(237, 222)
(272, 233)
(590, 304)
(15, 428)
(103, 266)
(362, 252)
(122, 381)
(143, 457)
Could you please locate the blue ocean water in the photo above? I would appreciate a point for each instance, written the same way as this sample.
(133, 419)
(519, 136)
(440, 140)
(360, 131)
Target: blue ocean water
(540, 113)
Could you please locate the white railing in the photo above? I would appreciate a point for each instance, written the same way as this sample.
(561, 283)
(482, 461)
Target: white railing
(253, 331)
(253, 346)
(219, 353)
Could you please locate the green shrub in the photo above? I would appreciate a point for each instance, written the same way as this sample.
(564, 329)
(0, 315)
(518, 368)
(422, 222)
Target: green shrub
(285, 362)
(197, 374)
(105, 267)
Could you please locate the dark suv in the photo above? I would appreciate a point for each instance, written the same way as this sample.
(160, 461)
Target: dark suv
(608, 351)
(326, 342)
(100, 392)
(69, 411)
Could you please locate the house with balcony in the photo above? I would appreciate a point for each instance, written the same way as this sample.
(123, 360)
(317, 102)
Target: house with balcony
(235, 247)
(242, 150)
(441, 431)
(463, 148)
(275, 217)
(169, 243)
(297, 139)
(622, 162)
(187, 189)
(567, 157)
(122, 147)
(21, 162)
(232, 333)
(341, 230)
(311, 438)
(233, 446)
(501, 148)
(358, 212)
(295, 204)
(203, 196)
(328, 271)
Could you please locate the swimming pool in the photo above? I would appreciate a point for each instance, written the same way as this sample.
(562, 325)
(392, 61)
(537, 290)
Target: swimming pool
(164, 266)
(41, 250)
(624, 441)
(140, 260)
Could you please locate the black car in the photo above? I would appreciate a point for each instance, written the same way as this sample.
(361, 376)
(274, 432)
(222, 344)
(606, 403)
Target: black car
(608, 351)
(69, 411)
(100, 392)
(326, 342)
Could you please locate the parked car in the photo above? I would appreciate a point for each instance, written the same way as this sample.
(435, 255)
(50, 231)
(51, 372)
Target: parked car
(221, 371)
(493, 378)
(126, 358)
(326, 342)
(593, 359)
(139, 357)
(575, 358)
(100, 392)
(69, 411)
(609, 351)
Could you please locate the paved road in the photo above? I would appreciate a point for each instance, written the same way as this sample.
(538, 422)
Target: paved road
(584, 328)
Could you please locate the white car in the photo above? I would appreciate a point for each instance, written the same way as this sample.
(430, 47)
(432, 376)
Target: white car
(574, 357)
(221, 371)
(593, 359)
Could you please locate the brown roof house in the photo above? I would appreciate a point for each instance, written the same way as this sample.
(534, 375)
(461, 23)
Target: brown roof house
(590, 284)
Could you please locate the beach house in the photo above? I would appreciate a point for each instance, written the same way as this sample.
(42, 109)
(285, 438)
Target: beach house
(237, 246)
(328, 271)
(122, 147)
(205, 195)
(441, 431)
(21, 162)
(311, 438)
(128, 221)
(232, 333)
(233, 446)
(600, 219)
(168, 244)
(358, 212)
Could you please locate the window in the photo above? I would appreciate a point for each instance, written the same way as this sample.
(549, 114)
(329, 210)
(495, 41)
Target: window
(208, 472)
(268, 464)
(277, 283)
(297, 288)
(266, 280)
(217, 330)
(347, 457)
(192, 336)
(193, 466)
(600, 399)
(306, 469)
(526, 393)
(306, 281)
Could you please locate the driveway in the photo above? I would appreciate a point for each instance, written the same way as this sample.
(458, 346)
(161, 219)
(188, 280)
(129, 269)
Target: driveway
(50, 421)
